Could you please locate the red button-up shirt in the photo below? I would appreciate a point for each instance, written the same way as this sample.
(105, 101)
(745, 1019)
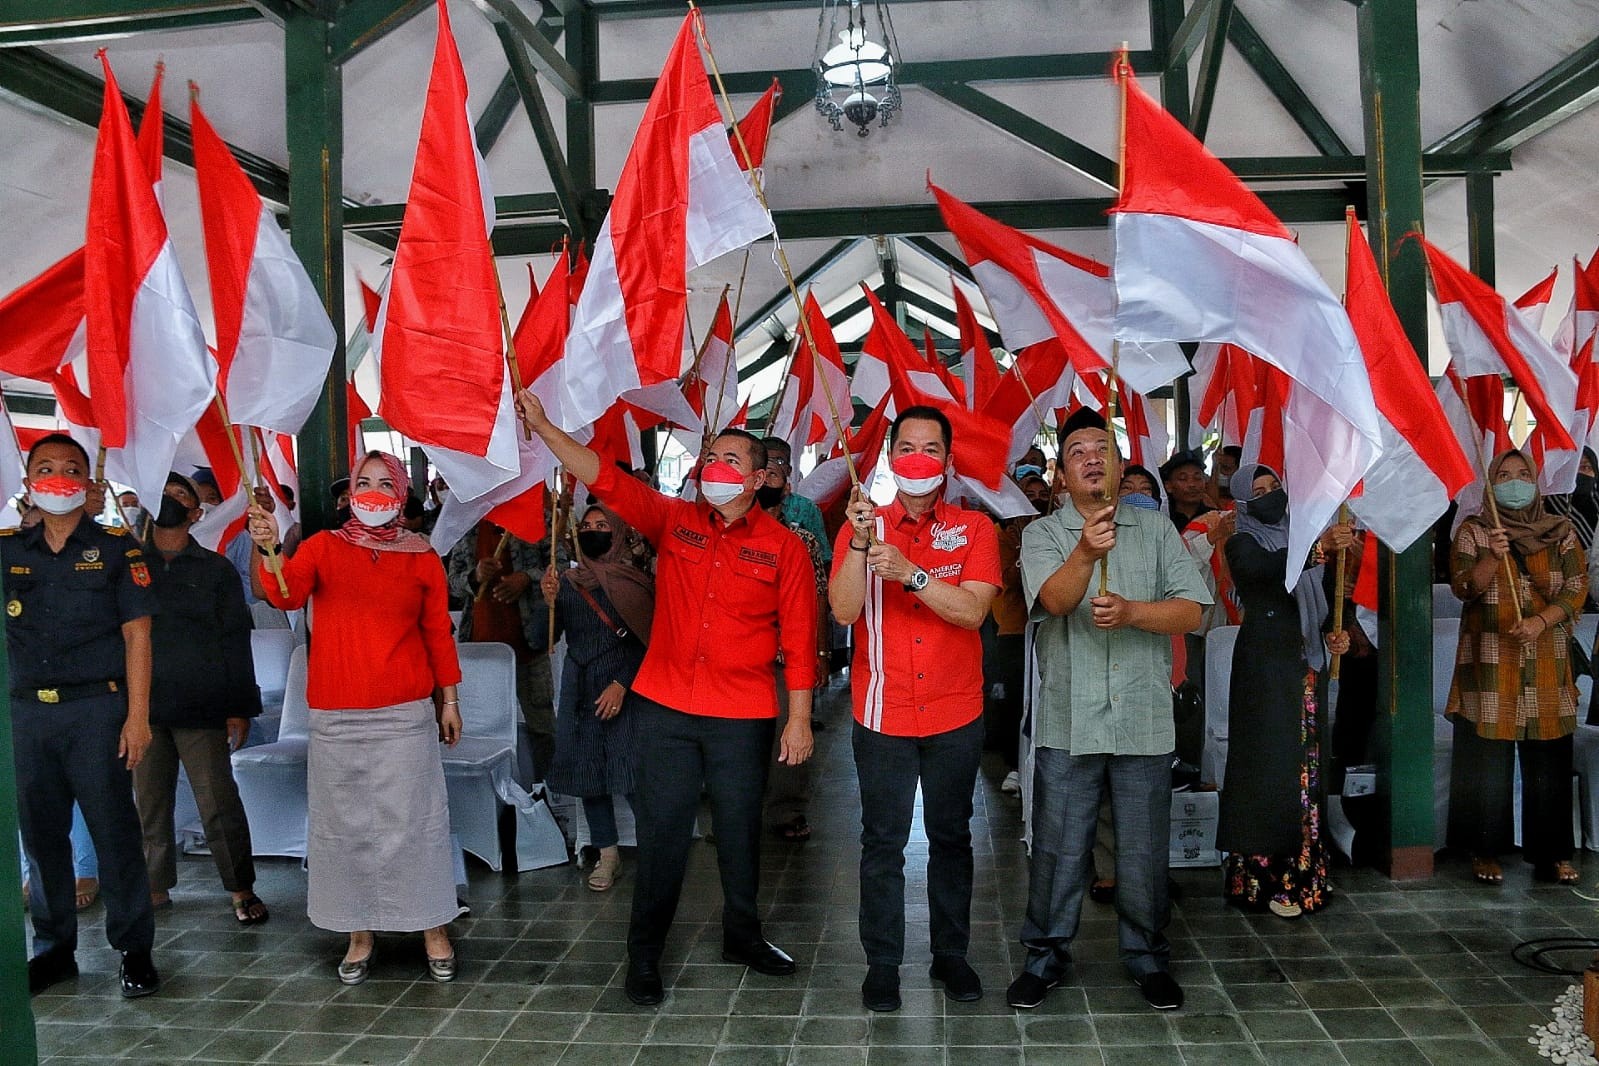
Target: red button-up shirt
(729, 596)
(916, 675)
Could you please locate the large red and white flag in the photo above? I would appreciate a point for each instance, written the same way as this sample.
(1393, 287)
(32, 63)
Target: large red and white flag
(978, 369)
(274, 340)
(1038, 291)
(829, 479)
(681, 201)
(1144, 440)
(1200, 258)
(1039, 382)
(1225, 392)
(816, 389)
(712, 386)
(1487, 336)
(438, 333)
(1534, 303)
(1582, 316)
(149, 374)
(1422, 466)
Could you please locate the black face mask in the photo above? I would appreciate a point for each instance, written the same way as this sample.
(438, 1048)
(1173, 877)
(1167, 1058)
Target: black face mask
(172, 514)
(1270, 508)
(1041, 506)
(769, 496)
(1585, 484)
(594, 543)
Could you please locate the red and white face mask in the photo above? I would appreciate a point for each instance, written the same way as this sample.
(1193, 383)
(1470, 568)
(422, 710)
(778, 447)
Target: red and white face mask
(374, 508)
(917, 474)
(57, 495)
(720, 482)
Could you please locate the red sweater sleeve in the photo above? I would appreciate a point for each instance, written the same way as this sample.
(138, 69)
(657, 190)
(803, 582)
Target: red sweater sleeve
(435, 623)
(640, 506)
(299, 572)
(796, 615)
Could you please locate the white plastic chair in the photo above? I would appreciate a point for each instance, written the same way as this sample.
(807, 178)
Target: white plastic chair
(1445, 643)
(272, 777)
(271, 650)
(479, 771)
(1219, 644)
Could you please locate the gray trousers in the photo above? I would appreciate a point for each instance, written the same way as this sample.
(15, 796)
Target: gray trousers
(1067, 790)
(66, 752)
(204, 754)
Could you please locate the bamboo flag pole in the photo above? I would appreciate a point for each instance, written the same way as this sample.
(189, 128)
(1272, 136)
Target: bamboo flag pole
(275, 560)
(1488, 492)
(511, 363)
(777, 244)
(1341, 570)
(99, 478)
(499, 551)
(1112, 469)
(561, 501)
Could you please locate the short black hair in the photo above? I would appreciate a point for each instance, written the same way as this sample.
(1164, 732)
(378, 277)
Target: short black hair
(923, 413)
(57, 438)
(288, 493)
(1082, 418)
(1133, 469)
(779, 445)
(1177, 462)
(338, 488)
(1233, 452)
(757, 447)
(413, 506)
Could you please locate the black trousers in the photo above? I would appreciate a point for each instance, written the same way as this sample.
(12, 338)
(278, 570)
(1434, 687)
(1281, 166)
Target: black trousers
(889, 769)
(1003, 715)
(1481, 779)
(67, 752)
(681, 754)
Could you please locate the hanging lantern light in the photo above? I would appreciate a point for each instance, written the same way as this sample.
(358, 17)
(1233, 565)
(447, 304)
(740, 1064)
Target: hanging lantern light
(856, 64)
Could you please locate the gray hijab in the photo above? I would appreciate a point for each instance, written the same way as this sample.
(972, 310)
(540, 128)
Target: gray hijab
(1309, 596)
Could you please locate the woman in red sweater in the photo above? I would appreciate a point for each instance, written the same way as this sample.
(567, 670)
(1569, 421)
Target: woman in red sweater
(382, 690)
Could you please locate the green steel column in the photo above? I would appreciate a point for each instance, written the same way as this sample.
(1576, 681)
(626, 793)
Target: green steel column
(315, 118)
(1391, 93)
(1480, 223)
(16, 1011)
(582, 45)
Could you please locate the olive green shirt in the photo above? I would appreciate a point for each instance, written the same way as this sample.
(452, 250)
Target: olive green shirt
(1107, 691)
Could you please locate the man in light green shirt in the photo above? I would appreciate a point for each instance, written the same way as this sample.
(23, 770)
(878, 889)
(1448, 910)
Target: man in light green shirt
(1103, 718)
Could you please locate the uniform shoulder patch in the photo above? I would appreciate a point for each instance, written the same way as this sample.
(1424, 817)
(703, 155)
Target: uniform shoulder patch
(115, 531)
(11, 532)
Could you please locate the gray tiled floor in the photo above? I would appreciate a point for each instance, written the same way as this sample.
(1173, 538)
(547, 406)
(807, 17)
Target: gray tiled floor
(1387, 975)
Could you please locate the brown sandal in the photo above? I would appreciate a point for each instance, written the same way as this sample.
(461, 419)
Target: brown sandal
(1560, 873)
(1487, 871)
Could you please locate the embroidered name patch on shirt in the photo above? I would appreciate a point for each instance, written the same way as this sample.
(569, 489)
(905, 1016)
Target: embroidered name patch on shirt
(949, 538)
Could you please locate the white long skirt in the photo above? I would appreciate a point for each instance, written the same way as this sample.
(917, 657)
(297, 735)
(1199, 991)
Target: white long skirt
(378, 846)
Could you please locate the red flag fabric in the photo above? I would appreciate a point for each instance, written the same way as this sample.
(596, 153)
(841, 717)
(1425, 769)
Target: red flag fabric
(371, 302)
(1535, 301)
(1422, 466)
(439, 330)
(977, 358)
(1037, 384)
(356, 410)
(756, 129)
(805, 413)
(829, 480)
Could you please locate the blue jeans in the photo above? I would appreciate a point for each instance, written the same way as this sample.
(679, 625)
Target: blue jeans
(890, 769)
(1067, 790)
(600, 813)
(730, 758)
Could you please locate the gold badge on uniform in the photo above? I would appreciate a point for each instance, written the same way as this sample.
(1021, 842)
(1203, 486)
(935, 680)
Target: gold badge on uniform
(13, 608)
(91, 555)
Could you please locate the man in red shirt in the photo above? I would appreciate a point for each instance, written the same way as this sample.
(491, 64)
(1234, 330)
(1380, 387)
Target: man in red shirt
(916, 580)
(734, 590)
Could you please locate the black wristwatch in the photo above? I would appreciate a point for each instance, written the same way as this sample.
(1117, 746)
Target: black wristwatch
(918, 581)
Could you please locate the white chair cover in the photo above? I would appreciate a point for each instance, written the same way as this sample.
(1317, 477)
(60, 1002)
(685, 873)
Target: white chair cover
(480, 771)
(1219, 644)
(1445, 643)
(1445, 604)
(271, 777)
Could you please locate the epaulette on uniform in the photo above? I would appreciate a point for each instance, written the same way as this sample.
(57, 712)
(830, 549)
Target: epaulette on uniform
(10, 531)
(115, 531)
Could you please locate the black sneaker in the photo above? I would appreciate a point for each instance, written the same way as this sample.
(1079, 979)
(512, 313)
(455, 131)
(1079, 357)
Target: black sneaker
(880, 990)
(1028, 990)
(1161, 990)
(50, 968)
(138, 975)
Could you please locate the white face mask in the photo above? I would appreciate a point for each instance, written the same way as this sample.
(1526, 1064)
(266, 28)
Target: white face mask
(57, 495)
(374, 508)
(917, 474)
(716, 490)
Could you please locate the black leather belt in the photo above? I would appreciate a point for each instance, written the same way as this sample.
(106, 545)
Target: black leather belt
(67, 693)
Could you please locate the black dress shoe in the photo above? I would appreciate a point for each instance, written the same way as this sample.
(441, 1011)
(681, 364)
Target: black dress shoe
(1161, 990)
(759, 956)
(50, 968)
(643, 985)
(880, 990)
(1028, 990)
(960, 981)
(138, 975)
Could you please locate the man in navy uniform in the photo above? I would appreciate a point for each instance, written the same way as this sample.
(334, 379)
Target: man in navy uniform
(78, 606)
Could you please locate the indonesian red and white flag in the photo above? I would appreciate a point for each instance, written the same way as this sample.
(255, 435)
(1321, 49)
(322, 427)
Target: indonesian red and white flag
(1422, 466)
(1534, 303)
(829, 479)
(1038, 291)
(978, 369)
(1486, 336)
(756, 130)
(1038, 383)
(681, 201)
(149, 374)
(981, 442)
(817, 387)
(1199, 258)
(712, 386)
(274, 340)
(1144, 440)
(1582, 316)
(438, 338)
(1224, 392)
(220, 524)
